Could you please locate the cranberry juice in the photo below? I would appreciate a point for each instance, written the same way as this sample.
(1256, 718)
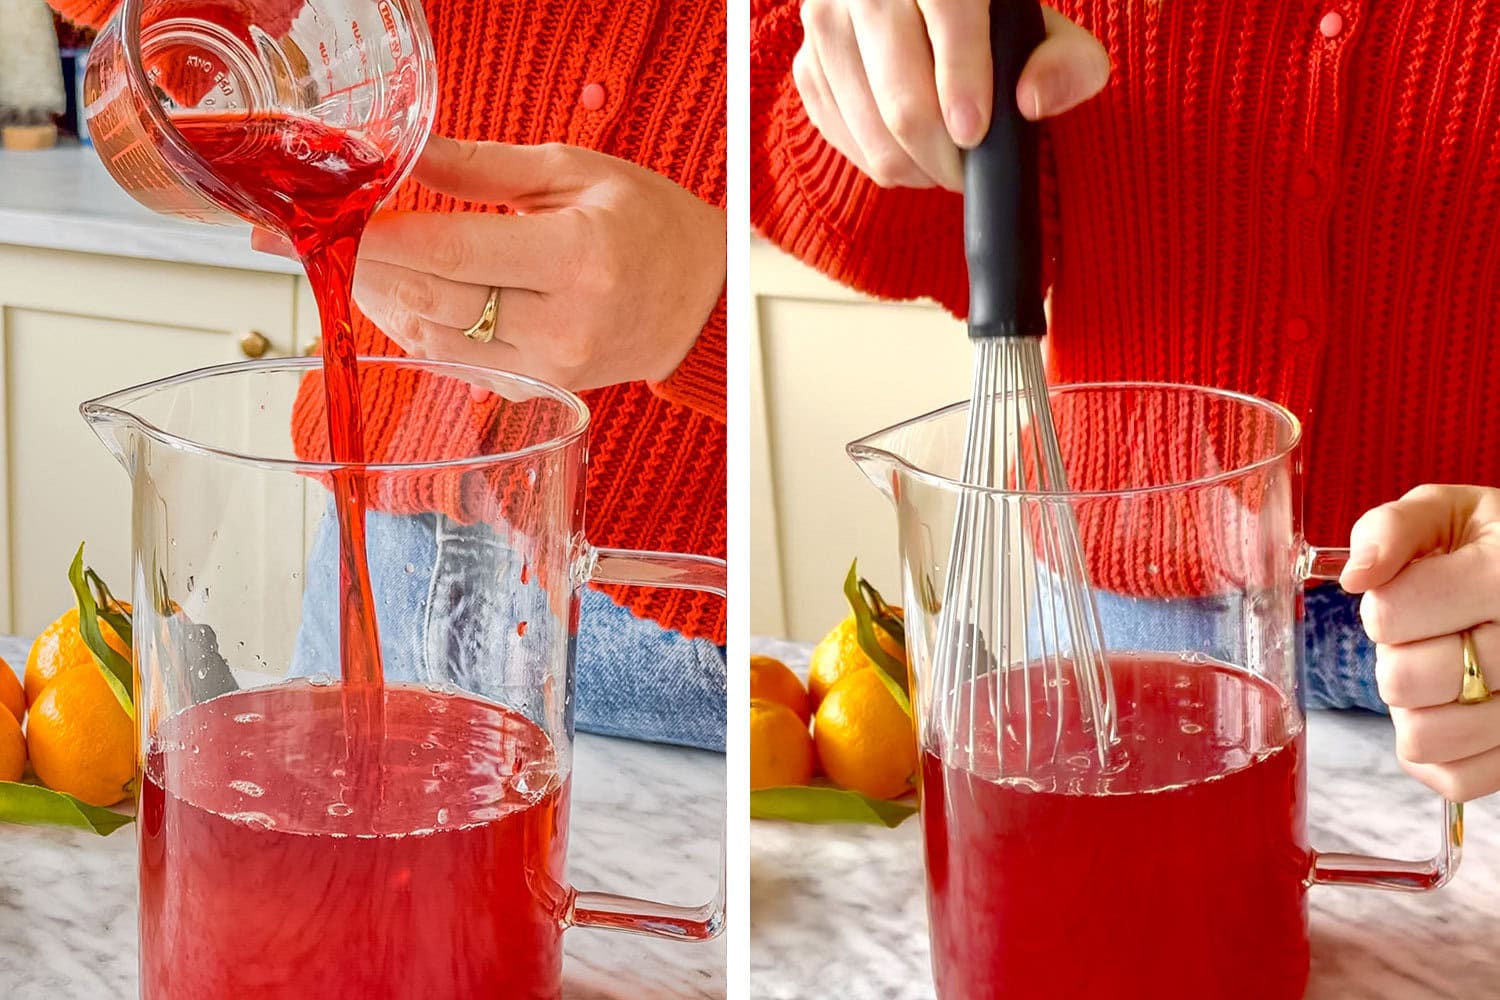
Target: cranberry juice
(317, 186)
(1175, 871)
(269, 870)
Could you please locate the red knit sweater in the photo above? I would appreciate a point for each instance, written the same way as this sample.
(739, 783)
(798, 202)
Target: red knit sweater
(516, 72)
(1266, 197)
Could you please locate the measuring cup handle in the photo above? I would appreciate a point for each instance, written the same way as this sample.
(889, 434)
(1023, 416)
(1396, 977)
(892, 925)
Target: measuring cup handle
(1367, 871)
(628, 913)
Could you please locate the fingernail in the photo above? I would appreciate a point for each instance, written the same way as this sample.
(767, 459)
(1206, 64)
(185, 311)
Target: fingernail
(1029, 100)
(479, 393)
(963, 123)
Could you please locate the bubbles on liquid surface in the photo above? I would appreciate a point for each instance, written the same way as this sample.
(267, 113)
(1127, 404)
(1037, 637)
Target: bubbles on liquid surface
(320, 680)
(249, 717)
(442, 816)
(249, 788)
(1190, 728)
(340, 809)
(259, 819)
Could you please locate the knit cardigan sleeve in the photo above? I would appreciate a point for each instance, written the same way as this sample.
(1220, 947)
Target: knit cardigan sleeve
(698, 383)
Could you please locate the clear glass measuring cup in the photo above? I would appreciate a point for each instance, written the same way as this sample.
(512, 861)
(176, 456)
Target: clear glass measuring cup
(364, 67)
(292, 845)
(1182, 861)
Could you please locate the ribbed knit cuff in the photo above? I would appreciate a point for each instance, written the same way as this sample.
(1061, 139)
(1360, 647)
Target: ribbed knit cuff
(811, 201)
(698, 382)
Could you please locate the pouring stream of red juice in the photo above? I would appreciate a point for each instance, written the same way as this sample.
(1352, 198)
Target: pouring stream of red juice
(318, 186)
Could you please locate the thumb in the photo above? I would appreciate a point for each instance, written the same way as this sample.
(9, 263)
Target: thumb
(1387, 538)
(498, 173)
(1067, 69)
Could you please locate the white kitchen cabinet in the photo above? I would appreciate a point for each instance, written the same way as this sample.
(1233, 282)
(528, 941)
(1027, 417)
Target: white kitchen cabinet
(828, 366)
(77, 325)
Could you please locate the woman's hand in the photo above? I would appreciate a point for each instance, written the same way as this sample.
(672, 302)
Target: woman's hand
(607, 272)
(1429, 567)
(898, 86)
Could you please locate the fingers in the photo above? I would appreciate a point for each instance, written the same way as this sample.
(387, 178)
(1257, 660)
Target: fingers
(1385, 539)
(1460, 780)
(1430, 673)
(899, 85)
(539, 252)
(1434, 596)
(898, 63)
(959, 31)
(498, 173)
(830, 28)
(1067, 69)
(382, 290)
(822, 111)
(1444, 734)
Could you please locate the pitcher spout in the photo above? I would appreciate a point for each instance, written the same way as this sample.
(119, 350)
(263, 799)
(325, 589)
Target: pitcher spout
(878, 465)
(116, 430)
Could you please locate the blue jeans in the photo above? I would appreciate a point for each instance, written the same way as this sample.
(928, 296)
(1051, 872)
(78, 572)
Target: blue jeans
(1338, 658)
(444, 610)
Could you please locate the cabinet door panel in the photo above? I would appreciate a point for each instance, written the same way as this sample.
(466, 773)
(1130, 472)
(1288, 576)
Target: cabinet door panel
(75, 326)
(833, 366)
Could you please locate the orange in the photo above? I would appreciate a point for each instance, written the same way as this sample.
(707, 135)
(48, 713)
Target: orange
(12, 748)
(80, 739)
(60, 648)
(781, 752)
(840, 655)
(865, 741)
(773, 680)
(11, 694)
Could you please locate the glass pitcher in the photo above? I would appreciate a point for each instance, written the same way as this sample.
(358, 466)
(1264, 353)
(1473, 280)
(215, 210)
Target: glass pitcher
(292, 843)
(1179, 863)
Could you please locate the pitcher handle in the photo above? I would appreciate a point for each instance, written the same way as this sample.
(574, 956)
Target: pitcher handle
(629, 913)
(1326, 564)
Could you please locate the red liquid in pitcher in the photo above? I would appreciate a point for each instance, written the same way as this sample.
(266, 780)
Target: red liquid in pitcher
(317, 186)
(270, 872)
(1176, 872)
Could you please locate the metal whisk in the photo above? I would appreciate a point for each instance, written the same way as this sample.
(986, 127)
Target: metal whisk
(1012, 444)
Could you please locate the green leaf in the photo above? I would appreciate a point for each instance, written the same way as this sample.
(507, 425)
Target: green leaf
(825, 804)
(892, 672)
(115, 668)
(33, 805)
(109, 608)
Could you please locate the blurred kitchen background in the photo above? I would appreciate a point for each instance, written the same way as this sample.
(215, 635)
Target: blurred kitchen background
(829, 365)
(97, 293)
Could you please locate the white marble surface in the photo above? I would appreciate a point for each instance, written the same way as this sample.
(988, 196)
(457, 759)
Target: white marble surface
(845, 905)
(64, 199)
(645, 820)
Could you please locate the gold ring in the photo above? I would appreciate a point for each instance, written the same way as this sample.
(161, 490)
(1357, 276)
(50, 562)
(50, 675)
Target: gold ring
(1474, 690)
(483, 330)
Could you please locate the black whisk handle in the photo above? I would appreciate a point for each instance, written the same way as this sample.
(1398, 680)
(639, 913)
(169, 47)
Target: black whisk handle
(1002, 220)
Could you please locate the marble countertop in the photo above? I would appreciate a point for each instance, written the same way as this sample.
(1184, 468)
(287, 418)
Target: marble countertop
(64, 199)
(845, 905)
(645, 820)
